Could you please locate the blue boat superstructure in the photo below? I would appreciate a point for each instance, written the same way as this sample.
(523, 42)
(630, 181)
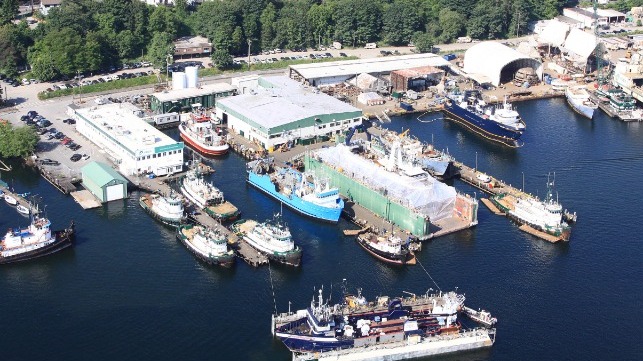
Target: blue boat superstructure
(469, 109)
(292, 188)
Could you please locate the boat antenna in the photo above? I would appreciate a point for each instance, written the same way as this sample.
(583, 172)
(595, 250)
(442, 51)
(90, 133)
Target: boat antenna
(272, 287)
(427, 273)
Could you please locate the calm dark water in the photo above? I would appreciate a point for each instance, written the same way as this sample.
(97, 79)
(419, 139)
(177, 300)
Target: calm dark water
(129, 290)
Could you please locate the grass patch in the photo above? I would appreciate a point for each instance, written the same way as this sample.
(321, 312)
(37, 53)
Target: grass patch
(281, 64)
(94, 88)
(151, 79)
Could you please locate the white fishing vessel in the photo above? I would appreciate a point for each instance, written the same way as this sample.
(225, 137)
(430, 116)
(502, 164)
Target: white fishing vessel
(208, 244)
(272, 238)
(481, 316)
(507, 117)
(168, 210)
(36, 240)
(578, 98)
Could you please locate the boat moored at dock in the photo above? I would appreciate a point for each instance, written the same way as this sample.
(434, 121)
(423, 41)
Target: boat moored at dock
(166, 209)
(305, 193)
(36, 240)
(207, 244)
(501, 124)
(390, 328)
(546, 215)
(198, 132)
(206, 196)
(578, 98)
(271, 238)
(388, 248)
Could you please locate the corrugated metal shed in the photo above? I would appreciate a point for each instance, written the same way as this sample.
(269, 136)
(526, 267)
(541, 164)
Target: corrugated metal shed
(581, 44)
(282, 104)
(206, 95)
(315, 73)
(554, 33)
(104, 182)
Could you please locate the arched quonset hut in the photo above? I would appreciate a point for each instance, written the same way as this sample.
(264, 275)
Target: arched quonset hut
(497, 63)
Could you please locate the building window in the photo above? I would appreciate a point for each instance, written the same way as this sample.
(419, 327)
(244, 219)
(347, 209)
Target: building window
(153, 155)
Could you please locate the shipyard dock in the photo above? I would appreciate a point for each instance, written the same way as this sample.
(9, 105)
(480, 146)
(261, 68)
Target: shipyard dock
(241, 248)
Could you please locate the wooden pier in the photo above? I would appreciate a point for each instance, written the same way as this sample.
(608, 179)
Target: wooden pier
(492, 207)
(63, 183)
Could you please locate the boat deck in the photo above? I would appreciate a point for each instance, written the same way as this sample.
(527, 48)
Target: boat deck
(223, 208)
(249, 254)
(542, 235)
(492, 206)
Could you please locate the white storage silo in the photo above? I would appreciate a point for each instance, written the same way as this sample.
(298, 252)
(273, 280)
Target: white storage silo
(178, 80)
(192, 74)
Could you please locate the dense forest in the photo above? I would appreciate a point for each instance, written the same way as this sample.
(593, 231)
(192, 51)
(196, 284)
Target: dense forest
(89, 36)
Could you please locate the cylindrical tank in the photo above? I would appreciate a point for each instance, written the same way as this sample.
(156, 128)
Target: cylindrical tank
(192, 74)
(178, 80)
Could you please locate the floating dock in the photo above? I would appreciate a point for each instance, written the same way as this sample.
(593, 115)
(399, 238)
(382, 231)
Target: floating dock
(86, 199)
(492, 207)
(413, 347)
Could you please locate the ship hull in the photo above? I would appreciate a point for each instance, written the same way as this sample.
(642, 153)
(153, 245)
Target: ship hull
(64, 239)
(202, 148)
(391, 258)
(292, 258)
(563, 233)
(170, 222)
(224, 261)
(584, 110)
(484, 127)
(263, 183)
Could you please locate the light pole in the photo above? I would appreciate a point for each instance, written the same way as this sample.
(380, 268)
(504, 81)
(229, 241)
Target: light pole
(249, 44)
(167, 70)
(80, 90)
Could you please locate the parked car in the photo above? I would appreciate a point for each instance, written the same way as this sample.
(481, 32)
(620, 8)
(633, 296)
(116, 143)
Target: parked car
(343, 55)
(75, 147)
(59, 135)
(53, 130)
(71, 145)
(76, 157)
(66, 140)
(48, 161)
(85, 157)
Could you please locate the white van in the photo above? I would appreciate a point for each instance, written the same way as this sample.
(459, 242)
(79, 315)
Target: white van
(370, 46)
(337, 45)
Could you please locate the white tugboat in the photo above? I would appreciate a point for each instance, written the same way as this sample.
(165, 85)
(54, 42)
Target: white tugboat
(545, 216)
(207, 244)
(207, 197)
(167, 210)
(36, 240)
(578, 98)
(271, 238)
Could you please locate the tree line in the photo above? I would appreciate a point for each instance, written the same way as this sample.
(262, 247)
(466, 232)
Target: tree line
(88, 35)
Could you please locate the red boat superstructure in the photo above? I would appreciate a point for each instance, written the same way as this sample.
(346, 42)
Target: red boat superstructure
(199, 134)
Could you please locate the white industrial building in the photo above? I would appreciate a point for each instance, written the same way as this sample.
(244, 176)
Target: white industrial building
(331, 73)
(282, 111)
(499, 68)
(135, 146)
(579, 47)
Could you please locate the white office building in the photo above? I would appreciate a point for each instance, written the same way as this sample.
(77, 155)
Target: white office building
(134, 145)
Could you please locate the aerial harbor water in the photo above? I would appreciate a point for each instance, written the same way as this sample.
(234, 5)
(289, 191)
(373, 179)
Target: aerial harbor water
(130, 290)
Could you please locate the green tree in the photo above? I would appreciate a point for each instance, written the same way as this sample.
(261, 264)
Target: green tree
(401, 20)
(268, 20)
(160, 47)
(423, 42)
(238, 41)
(320, 18)
(451, 25)
(17, 142)
(163, 19)
(8, 11)
(357, 21)
(222, 59)
(292, 30)
(60, 49)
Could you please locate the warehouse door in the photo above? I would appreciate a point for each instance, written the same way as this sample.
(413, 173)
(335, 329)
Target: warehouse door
(114, 192)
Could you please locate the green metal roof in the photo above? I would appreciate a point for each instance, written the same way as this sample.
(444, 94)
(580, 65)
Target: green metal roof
(101, 174)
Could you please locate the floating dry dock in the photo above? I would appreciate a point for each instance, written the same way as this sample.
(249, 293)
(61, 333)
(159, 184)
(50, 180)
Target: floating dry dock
(411, 348)
(413, 203)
